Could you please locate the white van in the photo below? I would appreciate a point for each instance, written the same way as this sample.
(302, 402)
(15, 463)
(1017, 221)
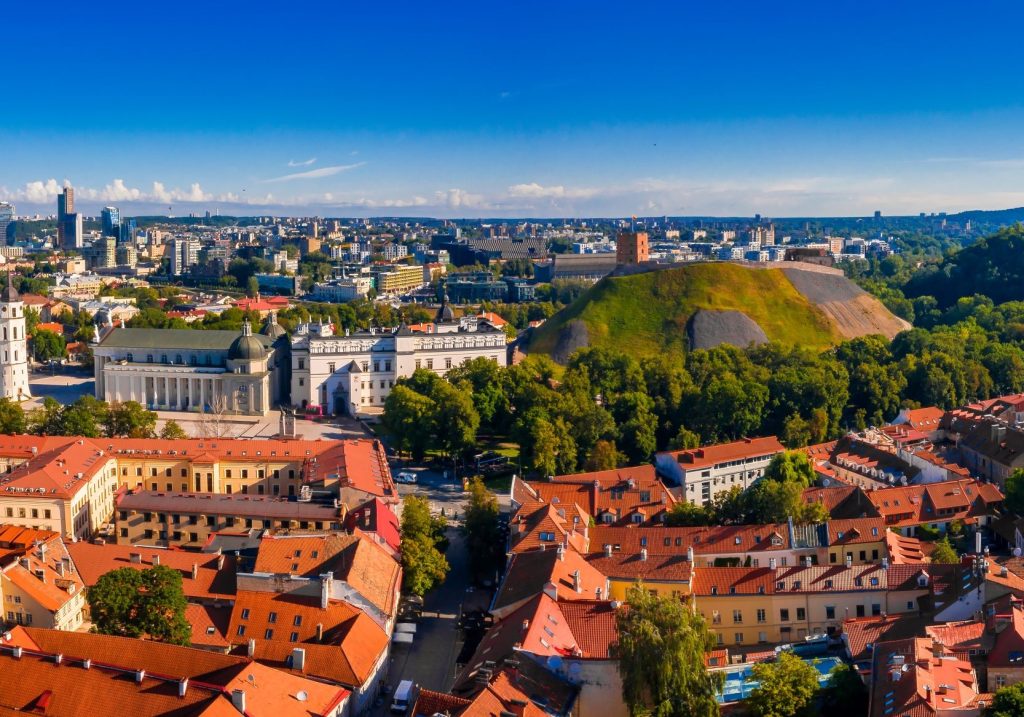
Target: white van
(403, 695)
(406, 477)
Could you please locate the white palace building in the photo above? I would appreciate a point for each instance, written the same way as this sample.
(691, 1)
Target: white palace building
(353, 374)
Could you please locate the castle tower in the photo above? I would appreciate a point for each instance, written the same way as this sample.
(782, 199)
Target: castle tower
(13, 347)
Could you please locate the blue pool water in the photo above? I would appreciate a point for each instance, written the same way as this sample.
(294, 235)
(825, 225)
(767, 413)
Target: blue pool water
(740, 682)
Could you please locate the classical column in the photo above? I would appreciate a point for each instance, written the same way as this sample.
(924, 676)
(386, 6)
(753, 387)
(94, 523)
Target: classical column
(202, 393)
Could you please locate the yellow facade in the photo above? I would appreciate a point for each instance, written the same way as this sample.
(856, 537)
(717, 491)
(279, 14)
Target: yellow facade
(618, 587)
(859, 553)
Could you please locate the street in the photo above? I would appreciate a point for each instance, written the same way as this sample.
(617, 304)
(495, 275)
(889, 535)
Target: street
(430, 660)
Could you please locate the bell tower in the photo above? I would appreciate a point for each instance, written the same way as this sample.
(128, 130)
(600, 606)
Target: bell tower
(13, 346)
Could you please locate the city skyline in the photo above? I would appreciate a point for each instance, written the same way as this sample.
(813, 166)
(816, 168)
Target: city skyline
(575, 110)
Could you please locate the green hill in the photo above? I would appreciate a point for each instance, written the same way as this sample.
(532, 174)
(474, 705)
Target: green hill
(651, 312)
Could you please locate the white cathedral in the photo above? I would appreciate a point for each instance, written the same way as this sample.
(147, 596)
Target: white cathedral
(13, 346)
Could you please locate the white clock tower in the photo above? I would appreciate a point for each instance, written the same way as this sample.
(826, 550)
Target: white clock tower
(13, 346)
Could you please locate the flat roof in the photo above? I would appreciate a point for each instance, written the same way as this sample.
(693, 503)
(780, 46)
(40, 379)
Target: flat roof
(259, 506)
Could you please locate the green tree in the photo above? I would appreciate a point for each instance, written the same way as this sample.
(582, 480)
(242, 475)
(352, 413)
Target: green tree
(684, 440)
(252, 287)
(1014, 491)
(1008, 702)
(47, 346)
(85, 417)
(844, 694)
(603, 457)
(423, 564)
(483, 536)
(787, 687)
(12, 417)
(172, 430)
(456, 421)
(944, 552)
(409, 419)
(685, 513)
(792, 466)
(130, 420)
(661, 647)
(140, 603)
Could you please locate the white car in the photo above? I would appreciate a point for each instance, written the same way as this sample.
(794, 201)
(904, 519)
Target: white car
(406, 477)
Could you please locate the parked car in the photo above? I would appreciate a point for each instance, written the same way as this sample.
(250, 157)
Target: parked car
(405, 477)
(403, 695)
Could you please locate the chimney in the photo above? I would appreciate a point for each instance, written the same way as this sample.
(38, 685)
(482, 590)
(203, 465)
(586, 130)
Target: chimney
(135, 557)
(689, 554)
(576, 584)
(561, 552)
(42, 551)
(17, 653)
(643, 553)
(526, 625)
(195, 571)
(319, 632)
(772, 563)
(608, 550)
(156, 558)
(25, 563)
(299, 659)
(58, 658)
(808, 561)
(182, 686)
(849, 561)
(325, 589)
(251, 648)
(238, 700)
(140, 675)
(977, 542)
(518, 707)
(86, 663)
(885, 563)
(220, 561)
(551, 590)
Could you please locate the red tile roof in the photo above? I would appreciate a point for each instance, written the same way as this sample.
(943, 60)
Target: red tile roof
(214, 574)
(653, 568)
(960, 636)
(703, 540)
(592, 623)
(733, 581)
(856, 530)
(1008, 650)
(708, 456)
(528, 573)
(918, 678)
(861, 634)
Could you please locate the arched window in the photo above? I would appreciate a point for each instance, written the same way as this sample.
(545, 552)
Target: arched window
(5, 333)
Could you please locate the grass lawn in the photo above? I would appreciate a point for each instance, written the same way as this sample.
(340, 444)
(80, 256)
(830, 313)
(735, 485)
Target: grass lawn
(647, 313)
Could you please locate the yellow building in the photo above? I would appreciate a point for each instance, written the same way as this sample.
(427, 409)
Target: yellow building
(38, 582)
(666, 575)
(858, 540)
(747, 606)
(68, 485)
(398, 278)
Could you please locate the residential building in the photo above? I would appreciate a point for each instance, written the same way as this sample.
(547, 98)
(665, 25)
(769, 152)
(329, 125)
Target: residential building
(1005, 663)
(936, 505)
(38, 583)
(397, 278)
(339, 291)
(700, 474)
(65, 206)
(609, 497)
(184, 254)
(920, 676)
(188, 520)
(113, 675)
(992, 450)
(561, 574)
(74, 237)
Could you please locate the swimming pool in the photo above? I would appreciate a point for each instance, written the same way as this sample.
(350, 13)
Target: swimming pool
(740, 682)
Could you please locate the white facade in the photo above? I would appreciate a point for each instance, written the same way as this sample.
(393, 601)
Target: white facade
(342, 290)
(354, 374)
(13, 348)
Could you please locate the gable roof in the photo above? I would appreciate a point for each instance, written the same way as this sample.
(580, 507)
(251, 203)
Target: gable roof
(528, 573)
(708, 456)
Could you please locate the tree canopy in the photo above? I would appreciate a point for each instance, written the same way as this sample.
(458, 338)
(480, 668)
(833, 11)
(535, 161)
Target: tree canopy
(787, 687)
(423, 564)
(140, 603)
(661, 647)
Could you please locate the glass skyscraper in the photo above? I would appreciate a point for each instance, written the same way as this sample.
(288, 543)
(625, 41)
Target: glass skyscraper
(111, 217)
(6, 223)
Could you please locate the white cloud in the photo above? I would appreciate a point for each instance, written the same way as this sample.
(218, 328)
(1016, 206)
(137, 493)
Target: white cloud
(303, 163)
(116, 191)
(458, 198)
(317, 173)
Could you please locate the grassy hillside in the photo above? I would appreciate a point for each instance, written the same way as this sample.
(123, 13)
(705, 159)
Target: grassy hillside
(647, 313)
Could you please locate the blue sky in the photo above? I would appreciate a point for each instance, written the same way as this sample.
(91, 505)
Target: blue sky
(514, 109)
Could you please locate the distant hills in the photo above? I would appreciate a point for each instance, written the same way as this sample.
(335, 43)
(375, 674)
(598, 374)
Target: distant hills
(706, 304)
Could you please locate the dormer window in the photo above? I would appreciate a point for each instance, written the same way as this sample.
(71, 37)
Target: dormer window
(732, 589)
(780, 585)
(828, 584)
(714, 589)
(738, 540)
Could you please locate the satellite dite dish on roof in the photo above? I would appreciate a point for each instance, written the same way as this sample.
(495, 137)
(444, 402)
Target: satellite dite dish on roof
(1016, 552)
(302, 696)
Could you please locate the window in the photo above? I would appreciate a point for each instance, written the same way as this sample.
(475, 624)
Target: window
(801, 613)
(716, 617)
(447, 363)
(297, 621)
(910, 605)
(784, 614)
(430, 363)
(268, 634)
(294, 637)
(860, 611)
(302, 364)
(830, 612)
(241, 630)
(1000, 681)
(876, 609)
(761, 617)
(739, 638)
(330, 367)
(245, 613)
(272, 617)
(762, 637)
(737, 616)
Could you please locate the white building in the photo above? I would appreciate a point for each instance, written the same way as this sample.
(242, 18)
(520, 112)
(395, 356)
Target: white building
(342, 290)
(193, 370)
(703, 473)
(184, 254)
(354, 374)
(13, 348)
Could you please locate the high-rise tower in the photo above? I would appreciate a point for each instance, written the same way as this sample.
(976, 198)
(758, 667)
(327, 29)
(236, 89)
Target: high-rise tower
(65, 206)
